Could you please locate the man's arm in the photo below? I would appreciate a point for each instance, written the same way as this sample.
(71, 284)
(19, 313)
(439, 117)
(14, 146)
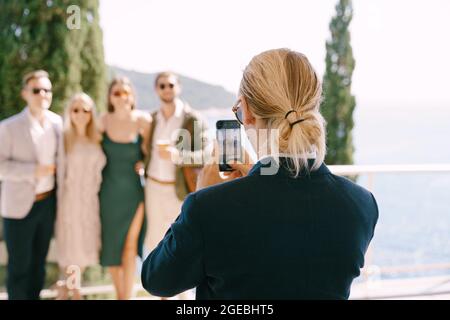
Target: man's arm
(176, 264)
(10, 169)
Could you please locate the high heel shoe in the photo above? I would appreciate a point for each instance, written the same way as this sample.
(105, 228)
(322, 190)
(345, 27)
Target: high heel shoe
(76, 294)
(62, 293)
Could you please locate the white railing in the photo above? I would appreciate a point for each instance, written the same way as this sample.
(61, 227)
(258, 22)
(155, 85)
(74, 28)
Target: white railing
(346, 170)
(418, 288)
(108, 290)
(371, 171)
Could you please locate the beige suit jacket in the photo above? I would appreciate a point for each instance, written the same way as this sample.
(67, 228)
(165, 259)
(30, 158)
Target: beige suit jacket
(18, 162)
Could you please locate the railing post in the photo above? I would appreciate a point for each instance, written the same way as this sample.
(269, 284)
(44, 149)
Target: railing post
(370, 179)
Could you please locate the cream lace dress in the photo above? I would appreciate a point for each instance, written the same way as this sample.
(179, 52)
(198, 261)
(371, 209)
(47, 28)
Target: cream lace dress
(78, 238)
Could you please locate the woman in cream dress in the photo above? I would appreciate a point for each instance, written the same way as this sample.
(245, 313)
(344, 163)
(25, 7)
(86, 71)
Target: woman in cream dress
(78, 237)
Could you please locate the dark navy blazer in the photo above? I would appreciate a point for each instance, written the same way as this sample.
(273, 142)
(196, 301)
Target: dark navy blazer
(266, 237)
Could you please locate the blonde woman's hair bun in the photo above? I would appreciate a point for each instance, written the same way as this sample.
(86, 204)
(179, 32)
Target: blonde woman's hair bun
(281, 87)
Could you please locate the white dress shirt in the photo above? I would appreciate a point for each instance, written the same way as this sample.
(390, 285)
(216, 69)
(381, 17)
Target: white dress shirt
(45, 143)
(164, 169)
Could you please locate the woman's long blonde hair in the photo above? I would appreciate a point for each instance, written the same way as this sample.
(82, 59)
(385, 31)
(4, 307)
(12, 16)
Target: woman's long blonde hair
(276, 82)
(92, 132)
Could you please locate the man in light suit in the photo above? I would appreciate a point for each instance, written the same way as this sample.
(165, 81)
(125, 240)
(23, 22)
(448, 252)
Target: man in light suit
(29, 148)
(171, 169)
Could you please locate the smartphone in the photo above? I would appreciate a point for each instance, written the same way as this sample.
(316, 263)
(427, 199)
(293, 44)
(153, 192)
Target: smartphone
(229, 141)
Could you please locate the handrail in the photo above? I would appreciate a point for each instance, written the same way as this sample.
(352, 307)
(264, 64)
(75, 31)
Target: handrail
(371, 171)
(388, 168)
(415, 268)
(84, 291)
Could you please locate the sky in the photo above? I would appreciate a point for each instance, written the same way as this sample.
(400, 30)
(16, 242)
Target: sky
(401, 47)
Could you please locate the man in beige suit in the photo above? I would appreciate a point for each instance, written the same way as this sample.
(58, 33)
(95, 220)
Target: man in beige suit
(29, 148)
(177, 146)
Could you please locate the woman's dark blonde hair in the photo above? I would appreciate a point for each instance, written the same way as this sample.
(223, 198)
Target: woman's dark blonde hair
(123, 81)
(92, 132)
(276, 82)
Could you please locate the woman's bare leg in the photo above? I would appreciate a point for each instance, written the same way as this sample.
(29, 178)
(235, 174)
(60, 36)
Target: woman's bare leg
(130, 251)
(117, 277)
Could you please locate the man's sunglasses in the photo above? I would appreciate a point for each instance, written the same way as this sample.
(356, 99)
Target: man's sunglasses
(162, 86)
(237, 110)
(38, 90)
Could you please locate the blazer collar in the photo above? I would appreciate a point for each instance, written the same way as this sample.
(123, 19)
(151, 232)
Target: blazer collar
(281, 168)
(179, 111)
(26, 125)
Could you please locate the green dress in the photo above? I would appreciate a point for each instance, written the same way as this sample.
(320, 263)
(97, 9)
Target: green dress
(121, 193)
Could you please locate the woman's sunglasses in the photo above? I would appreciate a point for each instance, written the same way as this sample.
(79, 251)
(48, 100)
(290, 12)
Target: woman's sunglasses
(38, 90)
(120, 93)
(162, 86)
(237, 110)
(76, 110)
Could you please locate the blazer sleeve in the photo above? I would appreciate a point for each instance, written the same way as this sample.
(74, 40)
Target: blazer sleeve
(376, 216)
(10, 169)
(176, 264)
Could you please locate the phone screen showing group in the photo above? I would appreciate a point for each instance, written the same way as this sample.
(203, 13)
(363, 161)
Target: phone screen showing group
(229, 141)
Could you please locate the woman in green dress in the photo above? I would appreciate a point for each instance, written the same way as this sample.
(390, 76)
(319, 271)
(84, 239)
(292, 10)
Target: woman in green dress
(125, 134)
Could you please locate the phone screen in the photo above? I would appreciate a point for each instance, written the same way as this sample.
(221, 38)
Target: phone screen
(229, 141)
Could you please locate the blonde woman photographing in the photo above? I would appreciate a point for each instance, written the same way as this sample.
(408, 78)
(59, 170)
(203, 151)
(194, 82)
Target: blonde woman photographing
(286, 229)
(79, 177)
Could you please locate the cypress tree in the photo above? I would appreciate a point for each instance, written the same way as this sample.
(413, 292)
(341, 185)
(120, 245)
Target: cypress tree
(339, 103)
(35, 35)
(93, 68)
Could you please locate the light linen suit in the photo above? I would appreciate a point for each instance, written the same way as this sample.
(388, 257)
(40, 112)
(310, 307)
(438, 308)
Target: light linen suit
(28, 224)
(18, 161)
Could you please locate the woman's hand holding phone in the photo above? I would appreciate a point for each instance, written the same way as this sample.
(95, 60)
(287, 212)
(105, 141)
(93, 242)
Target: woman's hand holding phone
(210, 174)
(239, 169)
